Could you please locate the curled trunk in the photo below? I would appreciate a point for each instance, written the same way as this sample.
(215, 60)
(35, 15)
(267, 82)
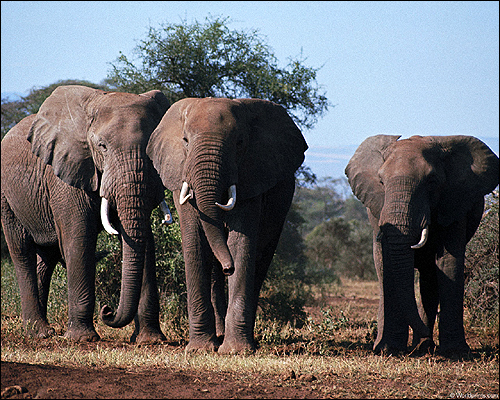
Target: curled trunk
(134, 203)
(134, 234)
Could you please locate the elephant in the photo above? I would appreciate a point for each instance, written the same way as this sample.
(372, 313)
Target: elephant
(230, 164)
(84, 144)
(425, 199)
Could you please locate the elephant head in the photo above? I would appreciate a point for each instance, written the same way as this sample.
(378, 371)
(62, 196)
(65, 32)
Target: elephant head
(219, 151)
(96, 141)
(409, 185)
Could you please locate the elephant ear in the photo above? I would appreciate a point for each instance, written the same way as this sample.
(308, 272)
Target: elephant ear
(161, 101)
(275, 150)
(165, 147)
(471, 170)
(58, 136)
(362, 171)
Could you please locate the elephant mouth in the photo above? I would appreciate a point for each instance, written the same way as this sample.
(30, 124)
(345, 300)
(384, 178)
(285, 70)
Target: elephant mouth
(185, 195)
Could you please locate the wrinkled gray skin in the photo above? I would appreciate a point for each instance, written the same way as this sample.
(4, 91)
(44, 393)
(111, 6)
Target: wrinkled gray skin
(435, 181)
(212, 144)
(82, 145)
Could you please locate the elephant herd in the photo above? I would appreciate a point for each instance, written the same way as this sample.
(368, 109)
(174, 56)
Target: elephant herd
(91, 159)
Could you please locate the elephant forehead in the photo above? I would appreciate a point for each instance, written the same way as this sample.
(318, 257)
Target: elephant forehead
(212, 115)
(409, 157)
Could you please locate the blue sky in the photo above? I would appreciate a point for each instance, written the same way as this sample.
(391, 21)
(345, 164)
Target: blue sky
(405, 68)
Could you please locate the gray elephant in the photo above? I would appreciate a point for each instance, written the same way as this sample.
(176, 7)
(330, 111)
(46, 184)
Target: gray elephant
(84, 144)
(231, 166)
(425, 199)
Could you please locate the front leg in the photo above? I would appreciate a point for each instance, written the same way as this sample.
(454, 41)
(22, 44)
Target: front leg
(243, 223)
(78, 239)
(450, 264)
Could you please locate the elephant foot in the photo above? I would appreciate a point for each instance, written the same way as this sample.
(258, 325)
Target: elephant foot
(202, 346)
(148, 336)
(457, 352)
(40, 330)
(423, 347)
(387, 350)
(234, 347)
(82, 335)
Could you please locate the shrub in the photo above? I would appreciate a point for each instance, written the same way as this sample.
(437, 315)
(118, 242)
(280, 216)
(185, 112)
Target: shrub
(482, 269)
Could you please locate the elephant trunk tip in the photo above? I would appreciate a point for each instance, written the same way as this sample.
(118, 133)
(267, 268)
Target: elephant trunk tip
(228, 270)
(106, 313)
(110, 319)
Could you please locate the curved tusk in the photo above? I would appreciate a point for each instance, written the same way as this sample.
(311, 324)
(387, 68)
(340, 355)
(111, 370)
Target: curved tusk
(232, 199)
(105, 217)
(167, 215)
(184, 196)
(423, 239)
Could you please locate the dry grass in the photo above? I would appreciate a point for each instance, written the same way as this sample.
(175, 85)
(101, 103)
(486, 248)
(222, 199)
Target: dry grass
(334, 347)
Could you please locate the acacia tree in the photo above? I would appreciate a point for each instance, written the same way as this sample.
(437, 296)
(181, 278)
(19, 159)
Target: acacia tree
(208, 59)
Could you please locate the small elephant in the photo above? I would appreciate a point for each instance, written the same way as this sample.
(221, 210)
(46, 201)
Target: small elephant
(83, 144)
(231, 167)
(425, 199)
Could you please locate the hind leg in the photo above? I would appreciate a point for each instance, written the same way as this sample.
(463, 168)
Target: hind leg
(23, 254)
(47, 259)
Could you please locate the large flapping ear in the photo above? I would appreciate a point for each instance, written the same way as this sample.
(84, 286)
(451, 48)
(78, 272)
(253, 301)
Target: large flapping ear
(362, 171)
(165, 147)
(471, 170)
(58, 136)
(275, 150)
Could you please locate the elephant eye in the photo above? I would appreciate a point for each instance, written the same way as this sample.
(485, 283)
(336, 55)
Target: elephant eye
(102, 145)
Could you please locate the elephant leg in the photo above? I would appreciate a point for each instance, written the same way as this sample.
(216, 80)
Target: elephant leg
(392, 331)
(47, 259)
(197, 255)
(276, 204)
(242, 243)
(450, 262)
(219, 302)
(77, 240)
(23, 254)
(147, 320)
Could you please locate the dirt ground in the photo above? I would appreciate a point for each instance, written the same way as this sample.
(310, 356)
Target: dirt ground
(23, 380)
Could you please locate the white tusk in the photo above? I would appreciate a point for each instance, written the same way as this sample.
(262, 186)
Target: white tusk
(105, 217)
(232, 199)
(184, 193)
(167, 215)
(423, 239)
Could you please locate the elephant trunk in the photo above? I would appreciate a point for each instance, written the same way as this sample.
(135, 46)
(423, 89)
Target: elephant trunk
(215, 194)
(404, 217)
(134, 205)
(212, 221)
(398, 276)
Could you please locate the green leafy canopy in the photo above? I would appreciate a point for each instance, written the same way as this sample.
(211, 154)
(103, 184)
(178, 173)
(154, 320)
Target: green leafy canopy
(210, 60)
